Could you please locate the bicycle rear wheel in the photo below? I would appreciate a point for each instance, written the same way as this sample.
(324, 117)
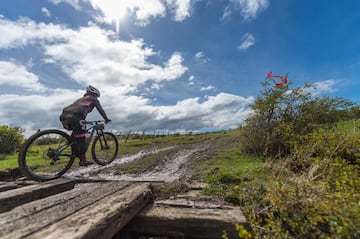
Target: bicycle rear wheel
(104, 148)
(46, 155)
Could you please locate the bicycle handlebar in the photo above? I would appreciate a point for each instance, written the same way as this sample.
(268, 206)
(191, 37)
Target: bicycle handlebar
(92, 121)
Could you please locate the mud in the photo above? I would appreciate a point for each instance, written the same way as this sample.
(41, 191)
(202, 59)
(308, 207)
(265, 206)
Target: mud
(158, 210)
(168, 169)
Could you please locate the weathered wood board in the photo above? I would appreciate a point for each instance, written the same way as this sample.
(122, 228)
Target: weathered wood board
(17, 196)
(186, 218)
(110, 209)
(78, 210)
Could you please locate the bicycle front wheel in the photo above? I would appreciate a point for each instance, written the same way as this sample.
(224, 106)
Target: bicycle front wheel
(104, 148)
(46, 155)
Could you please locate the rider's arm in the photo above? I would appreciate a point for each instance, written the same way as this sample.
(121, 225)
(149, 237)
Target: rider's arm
(101, 110)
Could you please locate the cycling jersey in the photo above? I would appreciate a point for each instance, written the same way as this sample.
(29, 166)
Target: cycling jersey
(73, 114)
(83, 106)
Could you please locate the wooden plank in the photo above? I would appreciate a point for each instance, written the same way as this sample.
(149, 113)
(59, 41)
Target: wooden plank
(12, 198)
(187, 220)
(103, 219)
(5, 186)
(32, 217)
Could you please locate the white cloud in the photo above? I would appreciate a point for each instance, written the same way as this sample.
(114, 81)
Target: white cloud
(199, 55)
(227, 110)
(46, 12)
(249, 9)
(36, 111)
(227, 12)
(116, 11)
(321, 87)
(74, 3)
(222, 110)
(200, 58)
(142, 11)
(155, 86)
(181, 8)
(24, 32)
(324, 87)
(248, 40)
(90, 55)
(17, 75)
(208, 88)
(191, 80)
(128, 112)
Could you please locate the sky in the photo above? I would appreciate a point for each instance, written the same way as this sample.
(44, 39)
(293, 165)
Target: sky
(178, 65)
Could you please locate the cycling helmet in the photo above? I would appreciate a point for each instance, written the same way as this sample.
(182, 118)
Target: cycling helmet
(92, 89)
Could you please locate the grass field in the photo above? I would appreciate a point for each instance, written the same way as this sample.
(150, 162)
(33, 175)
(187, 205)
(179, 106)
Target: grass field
(252, 183)
(229, 156)
(229, 174)
(131, 146)
(135, 144)
(8, 162)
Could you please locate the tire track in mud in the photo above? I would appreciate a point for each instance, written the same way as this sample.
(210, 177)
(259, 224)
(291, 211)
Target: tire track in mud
(166, 171)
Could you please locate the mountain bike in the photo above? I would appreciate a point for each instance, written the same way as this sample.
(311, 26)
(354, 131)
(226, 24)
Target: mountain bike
(48, 154)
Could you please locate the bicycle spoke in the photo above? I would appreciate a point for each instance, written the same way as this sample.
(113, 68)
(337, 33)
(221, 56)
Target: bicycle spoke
(105, 148)
(47, 155)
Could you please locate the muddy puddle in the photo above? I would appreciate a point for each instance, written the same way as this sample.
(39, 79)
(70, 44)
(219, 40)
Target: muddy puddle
(170, 170)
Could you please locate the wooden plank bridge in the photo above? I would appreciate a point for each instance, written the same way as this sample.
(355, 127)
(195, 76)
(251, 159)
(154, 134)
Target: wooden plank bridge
(107, 209)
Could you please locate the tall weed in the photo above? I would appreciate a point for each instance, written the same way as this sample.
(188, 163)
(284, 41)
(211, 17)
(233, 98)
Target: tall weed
(315, 192)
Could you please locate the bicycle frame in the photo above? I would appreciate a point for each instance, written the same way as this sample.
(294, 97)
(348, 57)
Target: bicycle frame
(92, 129)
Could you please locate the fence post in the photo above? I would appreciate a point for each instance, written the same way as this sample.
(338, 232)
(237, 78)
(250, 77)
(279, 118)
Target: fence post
(127, 137)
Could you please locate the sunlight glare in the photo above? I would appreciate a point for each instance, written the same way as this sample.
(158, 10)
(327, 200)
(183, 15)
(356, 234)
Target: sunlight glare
(113, 10)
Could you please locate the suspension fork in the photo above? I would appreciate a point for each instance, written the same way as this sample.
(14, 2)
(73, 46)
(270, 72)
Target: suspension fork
(102, 139)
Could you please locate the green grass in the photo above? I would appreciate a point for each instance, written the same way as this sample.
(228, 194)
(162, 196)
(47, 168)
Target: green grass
(350, 126)
(230, 161)
(8, 162)
(131, 146)
(230, 174)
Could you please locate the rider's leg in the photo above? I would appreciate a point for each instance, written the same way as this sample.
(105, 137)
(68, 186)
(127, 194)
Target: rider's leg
(74, 147)
(81, 150)
(79, 132)
(69, 123)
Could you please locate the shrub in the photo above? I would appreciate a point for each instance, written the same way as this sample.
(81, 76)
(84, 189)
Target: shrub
(313, 192)
(10, 139)
(281, 115)
(319, 201)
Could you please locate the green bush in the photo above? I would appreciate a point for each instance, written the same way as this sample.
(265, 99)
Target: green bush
(319, 201)
(314, 189)
(281, 115)
(47, 141)
(10, 139)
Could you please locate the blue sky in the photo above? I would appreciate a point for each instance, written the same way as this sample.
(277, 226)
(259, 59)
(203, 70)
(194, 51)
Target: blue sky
(170, 64)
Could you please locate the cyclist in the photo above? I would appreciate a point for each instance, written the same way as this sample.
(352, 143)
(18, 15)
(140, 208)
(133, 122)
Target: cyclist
(73, 117)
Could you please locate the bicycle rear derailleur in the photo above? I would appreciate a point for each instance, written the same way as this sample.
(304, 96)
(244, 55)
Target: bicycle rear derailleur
(52, 154)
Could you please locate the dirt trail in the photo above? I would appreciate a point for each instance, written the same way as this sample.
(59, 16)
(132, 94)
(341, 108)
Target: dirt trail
(171, 169)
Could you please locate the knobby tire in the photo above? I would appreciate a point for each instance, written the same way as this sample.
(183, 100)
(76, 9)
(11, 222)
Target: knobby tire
(35, 161)
(104, 154)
